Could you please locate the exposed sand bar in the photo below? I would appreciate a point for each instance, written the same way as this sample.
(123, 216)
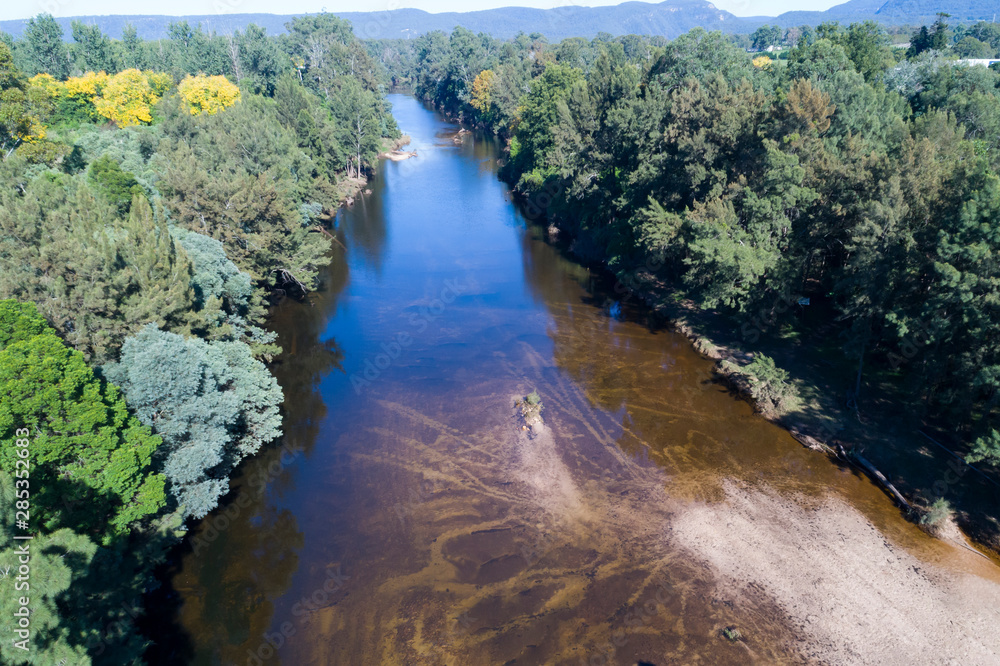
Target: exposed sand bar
(856, 597)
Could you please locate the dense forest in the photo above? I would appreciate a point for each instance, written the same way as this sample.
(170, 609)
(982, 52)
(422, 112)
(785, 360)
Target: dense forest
(154, 198)
(848, 183)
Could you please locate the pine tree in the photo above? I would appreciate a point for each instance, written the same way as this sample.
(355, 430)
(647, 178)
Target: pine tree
(45, 50)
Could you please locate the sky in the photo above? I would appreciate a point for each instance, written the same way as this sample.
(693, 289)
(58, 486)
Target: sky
(12, 9)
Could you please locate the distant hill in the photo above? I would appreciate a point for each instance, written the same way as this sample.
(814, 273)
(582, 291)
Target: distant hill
(669, 19)
(896, 12)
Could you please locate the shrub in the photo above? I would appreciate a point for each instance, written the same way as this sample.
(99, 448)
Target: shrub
(986, 448)
(937, 515)
(769, 385)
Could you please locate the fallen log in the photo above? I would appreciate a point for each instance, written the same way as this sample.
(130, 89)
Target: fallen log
(334, 238)
(870, 468)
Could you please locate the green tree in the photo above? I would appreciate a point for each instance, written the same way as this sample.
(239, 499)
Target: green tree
(867, 46)
(240, 188)
(356, 111)
(44, 47)
(91, 461)
(765, 36)
(259, 60)
(986, 448)
(94, 50)
(541, 113)
(16, 121)
(935, 38)
(970, 47)
(131, 53)
(117, 185)
(97, 277)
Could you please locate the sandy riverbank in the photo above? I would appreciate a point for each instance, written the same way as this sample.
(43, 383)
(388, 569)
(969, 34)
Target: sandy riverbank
(856, 597)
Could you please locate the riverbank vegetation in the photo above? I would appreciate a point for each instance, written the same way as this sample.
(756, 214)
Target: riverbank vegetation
(840, 202)
(154, 197)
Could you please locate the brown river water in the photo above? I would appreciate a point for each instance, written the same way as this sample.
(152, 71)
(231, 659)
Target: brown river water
(407, 518)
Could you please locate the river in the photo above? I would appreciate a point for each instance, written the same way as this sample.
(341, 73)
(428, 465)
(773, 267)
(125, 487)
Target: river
(406, 517)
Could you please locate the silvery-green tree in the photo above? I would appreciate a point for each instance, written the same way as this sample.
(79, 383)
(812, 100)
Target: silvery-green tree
(212, 403)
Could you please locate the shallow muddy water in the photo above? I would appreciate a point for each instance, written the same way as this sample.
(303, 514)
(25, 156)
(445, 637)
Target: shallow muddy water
(407, 518)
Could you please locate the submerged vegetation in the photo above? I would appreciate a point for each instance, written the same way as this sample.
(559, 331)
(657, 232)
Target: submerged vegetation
(530, 408)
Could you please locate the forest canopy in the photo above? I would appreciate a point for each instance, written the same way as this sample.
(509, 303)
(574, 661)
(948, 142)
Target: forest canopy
(155, 197)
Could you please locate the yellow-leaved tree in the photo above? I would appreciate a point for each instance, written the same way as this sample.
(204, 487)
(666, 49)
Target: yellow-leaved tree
(47, 84)
(482, 90)
(77, 94)
(208, 94)
(762, 62)
(127, 98)
(159, 82)
(89, 85)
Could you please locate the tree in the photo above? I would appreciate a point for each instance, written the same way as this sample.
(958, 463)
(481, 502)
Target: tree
(130, 49)
(541, 112)
(44, 48)
(94, 49)
(239, 189)
(212, 403)
(357, 113)
(259, 60)
(935, 38)
(17, 122)
(818, 61)
(207, 94)
(193, 51)
(127, 97)
(482, 88)
(829, 30)
(867, 46)
(97, 277)
(970, 47)
(91, 461)
(75, 98)
(765, 36)
(117, 185)
(228, 307)
(986, 448)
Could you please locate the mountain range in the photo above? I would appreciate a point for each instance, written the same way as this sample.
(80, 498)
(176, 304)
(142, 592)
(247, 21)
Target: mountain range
(669, 19)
